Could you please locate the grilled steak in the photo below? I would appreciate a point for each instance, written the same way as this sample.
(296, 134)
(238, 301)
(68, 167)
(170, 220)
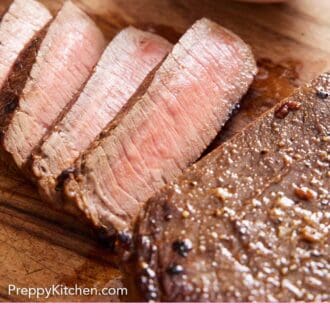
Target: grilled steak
(187, 102)
(250, 221)
(22, 29)
(66, 59)
(129, 58)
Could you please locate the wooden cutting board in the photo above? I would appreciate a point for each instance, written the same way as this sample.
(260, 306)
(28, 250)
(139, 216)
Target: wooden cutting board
(40, 247)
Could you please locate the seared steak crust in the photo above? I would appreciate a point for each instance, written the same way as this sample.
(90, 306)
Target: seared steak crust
(250, 221)
(13, 86)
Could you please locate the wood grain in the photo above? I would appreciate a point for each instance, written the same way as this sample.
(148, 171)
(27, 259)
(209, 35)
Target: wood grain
(40, 247)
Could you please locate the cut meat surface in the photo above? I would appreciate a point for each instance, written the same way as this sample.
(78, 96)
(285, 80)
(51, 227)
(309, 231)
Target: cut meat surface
(21, 31)
(127, 61)
(65, 61)
(250, 221)
(189, 99)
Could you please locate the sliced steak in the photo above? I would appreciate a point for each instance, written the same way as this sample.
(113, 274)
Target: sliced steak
(22, 29)
(127, 61)
(250, 221)
(189, 99)
(65, 61)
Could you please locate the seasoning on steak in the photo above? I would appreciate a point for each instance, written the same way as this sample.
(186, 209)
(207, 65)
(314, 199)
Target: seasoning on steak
(129, 58)
(22, 29)
(65, 61)
(250, 221)
(188, 101)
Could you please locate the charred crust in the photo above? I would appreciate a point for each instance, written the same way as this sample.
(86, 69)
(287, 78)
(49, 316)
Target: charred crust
(236, 108)
(106, 238)
(65, 175)
(168, 211)
(12, 104)
(125, 239)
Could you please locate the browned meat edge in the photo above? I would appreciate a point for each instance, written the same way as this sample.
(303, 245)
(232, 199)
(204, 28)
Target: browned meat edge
(13, 87)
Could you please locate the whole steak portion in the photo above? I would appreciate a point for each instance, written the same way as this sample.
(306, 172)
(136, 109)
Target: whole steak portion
(189, 99)
(66, 58)
(22, 29)
(250, 221)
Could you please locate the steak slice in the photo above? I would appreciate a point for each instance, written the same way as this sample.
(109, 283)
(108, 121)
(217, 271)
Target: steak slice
(189, 99)
(250, 221)
(129, 58)
(22, 29)
(65, 61)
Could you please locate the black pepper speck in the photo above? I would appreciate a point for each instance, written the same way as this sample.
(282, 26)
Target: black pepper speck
(175, 270)
(182, 247)
(322, 94)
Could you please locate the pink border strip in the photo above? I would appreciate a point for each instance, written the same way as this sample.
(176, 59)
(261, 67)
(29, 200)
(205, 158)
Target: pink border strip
(166, 316)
